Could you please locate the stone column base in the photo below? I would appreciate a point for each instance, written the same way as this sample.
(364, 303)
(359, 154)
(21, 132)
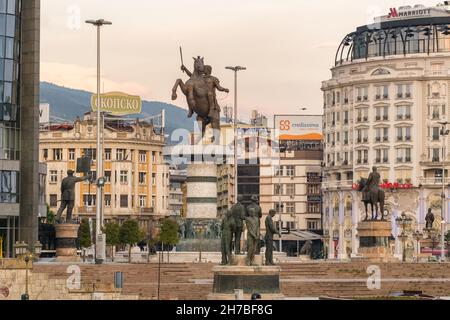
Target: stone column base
(66, 238)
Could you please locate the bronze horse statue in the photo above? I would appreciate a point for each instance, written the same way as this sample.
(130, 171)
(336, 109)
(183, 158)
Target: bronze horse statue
(196, 91)
(373, 200)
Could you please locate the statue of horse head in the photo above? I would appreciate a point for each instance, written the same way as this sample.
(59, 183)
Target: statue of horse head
(199, 65)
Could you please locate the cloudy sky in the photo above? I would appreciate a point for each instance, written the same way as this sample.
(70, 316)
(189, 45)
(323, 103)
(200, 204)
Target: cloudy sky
(288, 46)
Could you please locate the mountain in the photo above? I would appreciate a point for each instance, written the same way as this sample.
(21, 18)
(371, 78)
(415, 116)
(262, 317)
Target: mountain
(67, 104)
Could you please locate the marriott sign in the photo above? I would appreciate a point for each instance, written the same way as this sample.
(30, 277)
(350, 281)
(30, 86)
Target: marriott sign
(394, 13)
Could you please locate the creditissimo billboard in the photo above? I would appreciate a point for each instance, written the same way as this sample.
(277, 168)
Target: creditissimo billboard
(298, 127)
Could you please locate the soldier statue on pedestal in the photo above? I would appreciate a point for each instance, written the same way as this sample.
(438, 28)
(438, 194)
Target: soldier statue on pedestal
(429, 219)
(68, 195)
(227, 229)
(270, 231)
(239, 212)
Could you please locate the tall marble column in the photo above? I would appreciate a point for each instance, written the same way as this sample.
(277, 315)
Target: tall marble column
(355, 221)
(342, 249)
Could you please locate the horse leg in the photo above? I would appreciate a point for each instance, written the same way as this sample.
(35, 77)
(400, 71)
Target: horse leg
(185, 89)
(175, 88)
(367, 211)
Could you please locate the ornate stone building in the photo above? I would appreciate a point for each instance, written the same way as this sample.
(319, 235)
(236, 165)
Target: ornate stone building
(383, 107)
(137, 178)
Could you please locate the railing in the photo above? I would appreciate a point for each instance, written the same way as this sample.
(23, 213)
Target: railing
(338, 184)
(434, 181)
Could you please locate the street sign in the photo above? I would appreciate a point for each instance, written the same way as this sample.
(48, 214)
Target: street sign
(117, 103)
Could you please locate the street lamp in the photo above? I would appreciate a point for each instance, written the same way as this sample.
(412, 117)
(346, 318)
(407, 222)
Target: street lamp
(235, 69)
(22, 251)
(418, 236)
(444, 133)
(404, 222)
(100, 237)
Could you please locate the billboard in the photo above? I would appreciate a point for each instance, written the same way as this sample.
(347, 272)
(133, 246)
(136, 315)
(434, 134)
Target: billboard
(118, 103)
(299, 127)
(44, 113)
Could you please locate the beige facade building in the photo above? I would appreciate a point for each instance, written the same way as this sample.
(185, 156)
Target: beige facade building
(137, 178)
(383, 107)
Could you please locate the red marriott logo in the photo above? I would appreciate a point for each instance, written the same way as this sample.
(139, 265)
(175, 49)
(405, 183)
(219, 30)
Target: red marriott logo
(393, 13)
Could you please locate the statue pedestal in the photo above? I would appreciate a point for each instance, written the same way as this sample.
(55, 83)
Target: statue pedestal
(264, 280)
(374, 240)
(202, 191)
(66, 242)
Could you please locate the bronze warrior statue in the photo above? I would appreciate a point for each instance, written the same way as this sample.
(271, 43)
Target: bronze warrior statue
(239, 212)
(270, 231)
(227, 229)
(68, 195)
(372, 194)
(254, 205)
(429, 219)
(253, 236)
(200, 91)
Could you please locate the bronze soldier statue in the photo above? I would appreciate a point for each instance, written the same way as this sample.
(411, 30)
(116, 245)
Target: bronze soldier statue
(254, 205)
(372, 194)
(253, 236)
(227, 229)
(270, 231)
(429, 219)
(239, 212)
(68, 195)
(200, 92)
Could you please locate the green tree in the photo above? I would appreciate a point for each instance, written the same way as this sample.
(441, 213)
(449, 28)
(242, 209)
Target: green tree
(130, 234)
(112, 231)
(50, 215)
(85, 236)
(169, 233)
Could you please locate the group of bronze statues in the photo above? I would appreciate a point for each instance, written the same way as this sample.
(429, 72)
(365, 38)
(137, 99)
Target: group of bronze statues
(233, 226)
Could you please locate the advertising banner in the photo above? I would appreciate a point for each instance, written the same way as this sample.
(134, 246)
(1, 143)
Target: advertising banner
(299, 127)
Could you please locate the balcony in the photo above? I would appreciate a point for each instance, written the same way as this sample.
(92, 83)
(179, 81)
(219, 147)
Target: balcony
(365, 98)
(359, 140)
(365, 140)
(408, 117)
(377, 118)
(407, 159)
(385, 117)
(436, 116)
(346, 142)
(365, 119)
(436, 138)
(359, 98)
(359, 161)
(345, 121)
(385, 139)
(346, 101)
(386, 160)
(378, 139)
(399, 139)
(408, 138)
(377, 160)
(399, 95)
(408, 95)
(435, 159)
(378, 97)
(399, 117)
(345, 163)
(385, 96)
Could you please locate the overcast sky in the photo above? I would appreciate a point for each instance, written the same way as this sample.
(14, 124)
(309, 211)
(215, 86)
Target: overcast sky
(288, 46)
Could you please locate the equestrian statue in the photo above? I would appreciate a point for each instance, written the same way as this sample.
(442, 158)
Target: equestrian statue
(372, 194)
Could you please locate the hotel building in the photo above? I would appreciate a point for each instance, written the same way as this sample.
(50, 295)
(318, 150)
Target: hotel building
(383, 106)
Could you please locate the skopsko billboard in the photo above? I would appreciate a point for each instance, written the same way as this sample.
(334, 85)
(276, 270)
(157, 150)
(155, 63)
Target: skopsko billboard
(117, 103)
(304, 128)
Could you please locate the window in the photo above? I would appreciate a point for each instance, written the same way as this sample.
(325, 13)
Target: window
(120, 154)
(123, 176)
(57, 154)
(124, 201)
(89, 200)
(153, 157)
(313, 207)
(436, 133)
(382, 156)
(107, 176)
(404, 155)
(107, 201)
(107, 154)
(290, 207)
(142, 156)
(45, 154)
(404, 91)
(290, 189)
(312, 224)
(290, 171)
(362, 94)
(277, 189)
(153, 179)
(91, 153)
(53, 200)
(71, 154)
(142, 201)
(382, 92)
(404, 112)
(142, 178)
(53, 176)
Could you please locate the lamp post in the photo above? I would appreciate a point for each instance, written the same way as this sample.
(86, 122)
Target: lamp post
(418, 236)
(22, 251)
(444, 133)
(235, 69)
(404, 222)
(100, 237)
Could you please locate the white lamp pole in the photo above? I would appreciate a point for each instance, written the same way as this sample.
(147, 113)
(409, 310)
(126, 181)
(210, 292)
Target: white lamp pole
(235, 69)
(100, 238)
(444, 134)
